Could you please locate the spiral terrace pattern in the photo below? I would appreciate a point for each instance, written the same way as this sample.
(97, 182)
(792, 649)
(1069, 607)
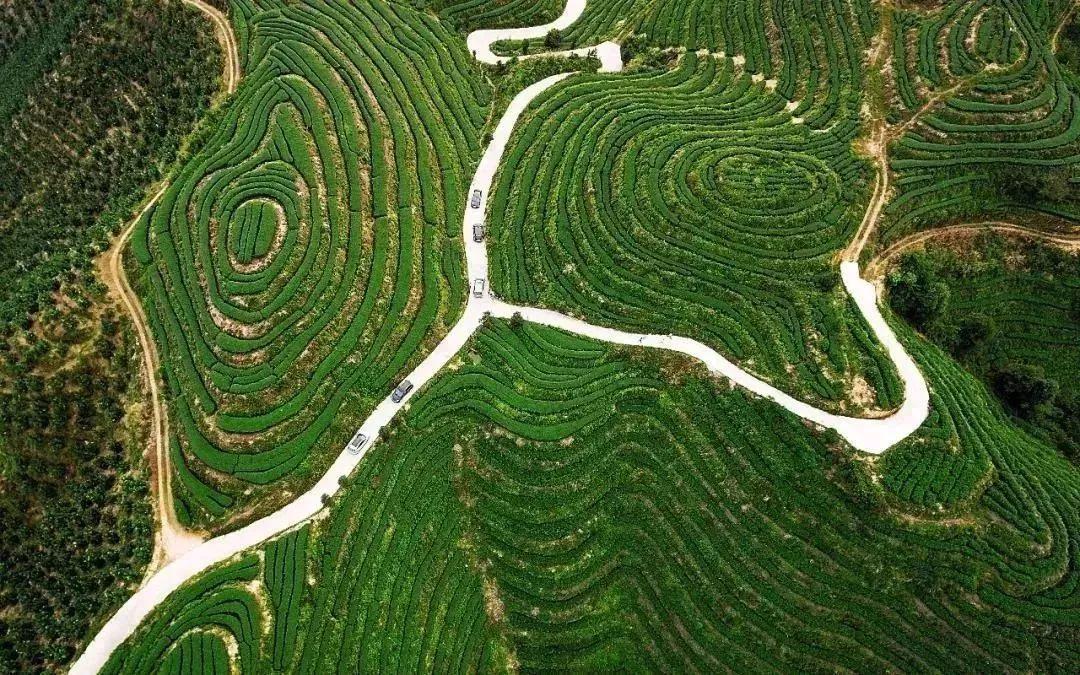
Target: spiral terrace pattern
(552, 501)
(688, 202)
(1012, 105)
(308, 253)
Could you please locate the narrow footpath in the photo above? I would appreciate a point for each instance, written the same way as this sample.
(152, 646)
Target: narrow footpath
(171, 539)
(1070, 241)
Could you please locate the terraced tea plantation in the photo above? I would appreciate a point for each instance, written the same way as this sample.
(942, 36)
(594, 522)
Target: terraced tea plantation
(557, 503)
(1011, 315)
(813, 51)
(1005, 132)
(308, 251)
(548, 501)
(689, 201)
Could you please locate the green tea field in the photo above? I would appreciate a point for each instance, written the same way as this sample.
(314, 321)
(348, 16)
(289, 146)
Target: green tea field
(596, 335)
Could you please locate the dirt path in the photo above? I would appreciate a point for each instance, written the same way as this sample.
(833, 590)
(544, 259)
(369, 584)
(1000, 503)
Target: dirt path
(172, 539)
(875, 145)
(876, 267)
(877, 148)
(1064, 22)
(231, 76)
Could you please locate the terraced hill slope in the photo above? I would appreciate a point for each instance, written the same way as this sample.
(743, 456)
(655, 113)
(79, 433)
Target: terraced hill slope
(1010, 312)
(991, 119)
(305, 254)
(553, 502)
(557, 503)
(813, 51)
(689, 201)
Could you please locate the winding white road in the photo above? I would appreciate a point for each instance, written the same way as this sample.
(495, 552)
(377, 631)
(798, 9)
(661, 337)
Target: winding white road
(869, 435)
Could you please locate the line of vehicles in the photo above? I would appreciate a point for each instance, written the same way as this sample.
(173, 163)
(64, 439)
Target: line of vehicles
(477, 236)
(360, 439)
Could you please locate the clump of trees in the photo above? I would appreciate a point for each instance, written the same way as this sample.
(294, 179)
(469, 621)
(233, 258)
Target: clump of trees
(1033, 186)
(1024, 388)
(1035, 388)
(1068, 51)
(916, 291)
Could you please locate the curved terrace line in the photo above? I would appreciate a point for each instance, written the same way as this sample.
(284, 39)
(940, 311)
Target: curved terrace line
(869, 435)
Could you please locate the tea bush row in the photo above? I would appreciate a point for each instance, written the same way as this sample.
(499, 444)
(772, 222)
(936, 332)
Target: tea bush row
(308, 251)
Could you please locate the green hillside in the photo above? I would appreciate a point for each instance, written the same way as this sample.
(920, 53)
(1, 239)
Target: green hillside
(555, 503)
(1010, 312)
(308, 251)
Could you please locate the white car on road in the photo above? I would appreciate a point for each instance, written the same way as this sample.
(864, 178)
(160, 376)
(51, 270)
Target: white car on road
(359, 440)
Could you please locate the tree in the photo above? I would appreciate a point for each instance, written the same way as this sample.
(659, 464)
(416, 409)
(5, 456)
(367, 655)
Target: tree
(553, 38)
(973, 331)
(1024, 387)
(916, 292)
(1029, 186)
